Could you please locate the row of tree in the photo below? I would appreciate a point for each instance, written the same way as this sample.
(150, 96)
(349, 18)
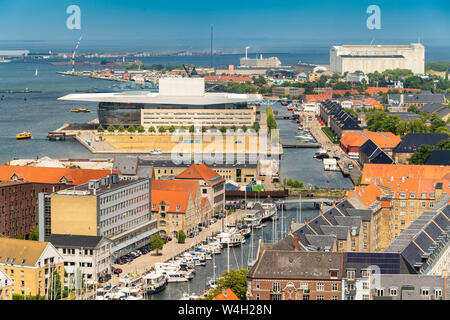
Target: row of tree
(271, 122)
(172, 129)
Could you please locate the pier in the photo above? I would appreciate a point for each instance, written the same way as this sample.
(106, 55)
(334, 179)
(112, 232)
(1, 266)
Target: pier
(56, 136)
(301, 145)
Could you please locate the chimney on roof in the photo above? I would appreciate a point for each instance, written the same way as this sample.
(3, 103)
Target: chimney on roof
(296, 244)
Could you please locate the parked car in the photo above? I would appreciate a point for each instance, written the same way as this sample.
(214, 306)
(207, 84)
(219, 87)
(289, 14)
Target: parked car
(117, 271)
(350, 166)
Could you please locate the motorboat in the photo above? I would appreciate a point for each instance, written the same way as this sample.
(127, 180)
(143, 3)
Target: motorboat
(78, 110)
(230, 238)
(154, 282)
(176, 276)
(156, 153)
(23, 135)
(187, 296)
(130, 281)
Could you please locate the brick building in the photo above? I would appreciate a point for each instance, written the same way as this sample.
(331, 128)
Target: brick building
(19, 206)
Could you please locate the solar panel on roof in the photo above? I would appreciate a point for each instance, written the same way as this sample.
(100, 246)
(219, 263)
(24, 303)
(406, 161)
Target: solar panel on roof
(423, 241)
(441, 221)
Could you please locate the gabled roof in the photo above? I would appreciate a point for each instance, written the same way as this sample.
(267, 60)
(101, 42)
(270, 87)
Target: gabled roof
(176, 185)
(24, 252)
(51, 175)
(172, 199)
(384, 140)
(439, 158)
(277, 264)
(227, 295)
(201, 171)
(374, 154)
(412, 141)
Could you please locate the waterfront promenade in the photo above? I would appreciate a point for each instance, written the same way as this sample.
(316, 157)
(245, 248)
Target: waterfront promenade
(145, 262)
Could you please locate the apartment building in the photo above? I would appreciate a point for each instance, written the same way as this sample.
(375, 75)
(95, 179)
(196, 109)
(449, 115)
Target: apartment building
(295, 275)
(85, 256)
(19, 205)
(412, 142)
(30, 265)
(6, 286)
(116, 209)
(398, 195)
(179, 205)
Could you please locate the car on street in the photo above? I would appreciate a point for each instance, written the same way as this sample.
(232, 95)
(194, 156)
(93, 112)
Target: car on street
(117, 271)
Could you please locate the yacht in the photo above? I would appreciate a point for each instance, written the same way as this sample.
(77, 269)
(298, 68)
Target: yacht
(130, 281)
(230, 238)
(154, 282)
(187, 296)
(176, 276)
(156, 152)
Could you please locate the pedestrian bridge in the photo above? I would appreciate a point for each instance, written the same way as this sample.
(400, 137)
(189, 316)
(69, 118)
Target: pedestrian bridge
(307, 200)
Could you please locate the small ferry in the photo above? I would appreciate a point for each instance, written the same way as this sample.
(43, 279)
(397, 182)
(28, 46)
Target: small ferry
(154, 282)
(80, 110)
(23, 136)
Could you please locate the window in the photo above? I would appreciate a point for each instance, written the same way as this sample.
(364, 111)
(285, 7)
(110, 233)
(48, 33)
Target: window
(334, 297)
(320, 287)
(432, 195)
(402, 195)
(320, 298)
(365, 273)
(258, 296)
(334, 287)
(424, 204)
(402, 204)
(276, 286)
(333, 274)
(257, 285)
(380, 292)
(365, 297)
(437, 293)
(351, 274)
(412, 195)
(178, 208)
(22, 273)
(393, 292)
(276, 296)
(424, 195)
(424, 292)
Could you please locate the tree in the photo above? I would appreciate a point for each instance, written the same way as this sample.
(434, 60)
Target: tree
(34, 235)
(172, 129)
(131, 129)
(181, 236)
(223, 129)
(54, 292)
(152, 129)
(236, 280)
(121, 129)
(244, 128)
(100, 129)
(161, 129)
(444, 145)
(156, 243)
(111, 128)
(141, 129)
(192, 129)
(256, 127)
(234, 128)
(420, 157)
(204, 129)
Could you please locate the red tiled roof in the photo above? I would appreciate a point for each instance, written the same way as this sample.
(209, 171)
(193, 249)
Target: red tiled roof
(201, 171)
(375, 90)
(176, 185)
(51, 175)
(172, 199)
(227, 295)
(228, 79)
(384, 140)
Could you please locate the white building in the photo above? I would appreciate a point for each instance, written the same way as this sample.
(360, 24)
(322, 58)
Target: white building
(5, 284)
(371, 58)
(88, 256)
(272, 62)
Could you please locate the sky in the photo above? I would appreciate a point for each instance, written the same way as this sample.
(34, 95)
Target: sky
(262, 23)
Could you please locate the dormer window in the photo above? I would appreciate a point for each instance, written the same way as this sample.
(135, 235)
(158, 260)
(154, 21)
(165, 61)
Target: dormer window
(412, 195)
(424, 195)
(432, 195)
(178, 208)
(333, 274)
(402, 195)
